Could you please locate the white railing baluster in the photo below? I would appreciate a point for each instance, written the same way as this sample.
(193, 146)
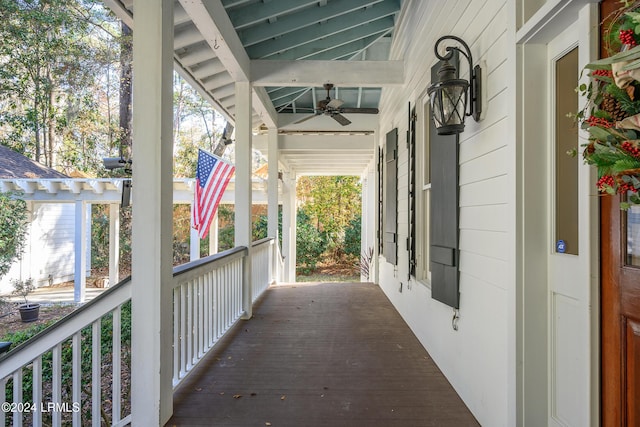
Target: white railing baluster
(17, 397)
(96, 373)
(116, 366)
(76, 376)
(219, 301)
(183, 331)
(207, 311)
(190, 325)
(36, 375)
(56, 387)
(216, 305)
(176, 334)
(3, 400)
(200, 317)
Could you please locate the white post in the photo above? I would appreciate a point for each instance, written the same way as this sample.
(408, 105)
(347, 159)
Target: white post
(88, 218)
(243, 188)
(80, 273)
(368, 221)
(272, 196)
(152, 252)
(114, 243)
(289, 227)
(194, 247)
(214, 232)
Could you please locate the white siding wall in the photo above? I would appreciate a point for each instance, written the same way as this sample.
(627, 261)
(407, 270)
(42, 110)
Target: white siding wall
(478, 358)
(50, 247)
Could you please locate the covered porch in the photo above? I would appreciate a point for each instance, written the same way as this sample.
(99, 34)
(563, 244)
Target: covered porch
(319, 354)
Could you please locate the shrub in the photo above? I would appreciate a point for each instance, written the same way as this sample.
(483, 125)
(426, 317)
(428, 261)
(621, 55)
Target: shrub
(310, 243)
(13, 230)
(352, 237)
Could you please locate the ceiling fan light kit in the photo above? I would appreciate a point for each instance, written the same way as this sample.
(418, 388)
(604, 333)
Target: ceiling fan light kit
(333, 108)
(451, 95)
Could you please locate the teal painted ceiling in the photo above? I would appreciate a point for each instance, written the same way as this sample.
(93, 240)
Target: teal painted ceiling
(339, 30)
(323, 30)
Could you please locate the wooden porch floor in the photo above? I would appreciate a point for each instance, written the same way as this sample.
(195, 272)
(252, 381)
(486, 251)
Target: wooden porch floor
(330, 355)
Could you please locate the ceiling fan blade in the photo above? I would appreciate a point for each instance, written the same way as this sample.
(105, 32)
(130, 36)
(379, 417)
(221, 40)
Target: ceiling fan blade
(359, 110)
(341, 119)
(304, 119)
(335, 103)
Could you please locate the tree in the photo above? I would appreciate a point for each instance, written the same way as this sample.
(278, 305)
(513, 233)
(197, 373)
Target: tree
(331, 202)
(13, 230)
(126, 95)
(56, 67)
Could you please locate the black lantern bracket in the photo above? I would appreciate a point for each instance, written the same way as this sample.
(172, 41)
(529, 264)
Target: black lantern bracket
(474, 105)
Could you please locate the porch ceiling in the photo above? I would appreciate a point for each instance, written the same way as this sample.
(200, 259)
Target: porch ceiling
(288, 49)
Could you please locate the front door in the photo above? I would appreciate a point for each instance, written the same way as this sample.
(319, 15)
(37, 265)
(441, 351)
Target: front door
(620, 314)
(620, 302)
(569, 252)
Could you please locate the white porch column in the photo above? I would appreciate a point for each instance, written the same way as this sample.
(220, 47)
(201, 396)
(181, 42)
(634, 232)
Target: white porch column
(194, 239)
(214, 233)
(272, 196)
(80, 270)
(289, 227)
(368, 222)
(243, 188)
(114, 243)
(152, 392)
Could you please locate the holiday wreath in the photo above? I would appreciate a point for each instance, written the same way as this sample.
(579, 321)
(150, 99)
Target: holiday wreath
(612, 115)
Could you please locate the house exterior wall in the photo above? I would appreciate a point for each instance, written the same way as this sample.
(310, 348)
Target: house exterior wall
(50, 246)
(478, 358)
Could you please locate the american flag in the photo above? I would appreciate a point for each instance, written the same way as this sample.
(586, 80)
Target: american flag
(212, 177)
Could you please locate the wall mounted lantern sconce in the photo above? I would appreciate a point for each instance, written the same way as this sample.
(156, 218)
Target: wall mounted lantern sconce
(450, 95)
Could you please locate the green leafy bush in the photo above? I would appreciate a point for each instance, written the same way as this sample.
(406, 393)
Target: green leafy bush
(310, 243)
(352, 237)
(13, 229)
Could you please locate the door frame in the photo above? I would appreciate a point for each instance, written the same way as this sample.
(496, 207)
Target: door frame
(533, 172)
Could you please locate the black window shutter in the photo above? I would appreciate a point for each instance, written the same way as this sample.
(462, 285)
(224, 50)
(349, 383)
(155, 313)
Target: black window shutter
(411, 148)
(444, 254)
(390, 245)
(380, 200)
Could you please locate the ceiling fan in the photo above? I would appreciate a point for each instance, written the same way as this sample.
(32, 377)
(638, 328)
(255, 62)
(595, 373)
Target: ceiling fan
(333, 108)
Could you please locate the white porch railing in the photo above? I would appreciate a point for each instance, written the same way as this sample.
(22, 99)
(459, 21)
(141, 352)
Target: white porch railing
(207, 301)
(56, 378)
(262, 255)
(61, 376)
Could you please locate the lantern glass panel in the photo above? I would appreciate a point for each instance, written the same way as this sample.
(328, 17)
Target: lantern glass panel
(448, 104)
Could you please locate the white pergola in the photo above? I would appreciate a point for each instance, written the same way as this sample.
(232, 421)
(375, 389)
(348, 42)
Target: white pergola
(84, 192)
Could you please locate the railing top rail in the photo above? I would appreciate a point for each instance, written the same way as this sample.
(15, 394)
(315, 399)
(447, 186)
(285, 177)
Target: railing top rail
(219, 258)
(262, 241)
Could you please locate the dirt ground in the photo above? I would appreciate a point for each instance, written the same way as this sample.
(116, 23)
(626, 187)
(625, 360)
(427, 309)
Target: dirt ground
(10, 321)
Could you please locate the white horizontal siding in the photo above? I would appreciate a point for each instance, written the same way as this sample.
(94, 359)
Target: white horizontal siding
(50, 246)
(52, 240)
(475, 358)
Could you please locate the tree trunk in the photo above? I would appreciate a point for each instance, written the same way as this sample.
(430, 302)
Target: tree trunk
(177, 108)
(36, 123)
(51, 129)
(126, 57)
